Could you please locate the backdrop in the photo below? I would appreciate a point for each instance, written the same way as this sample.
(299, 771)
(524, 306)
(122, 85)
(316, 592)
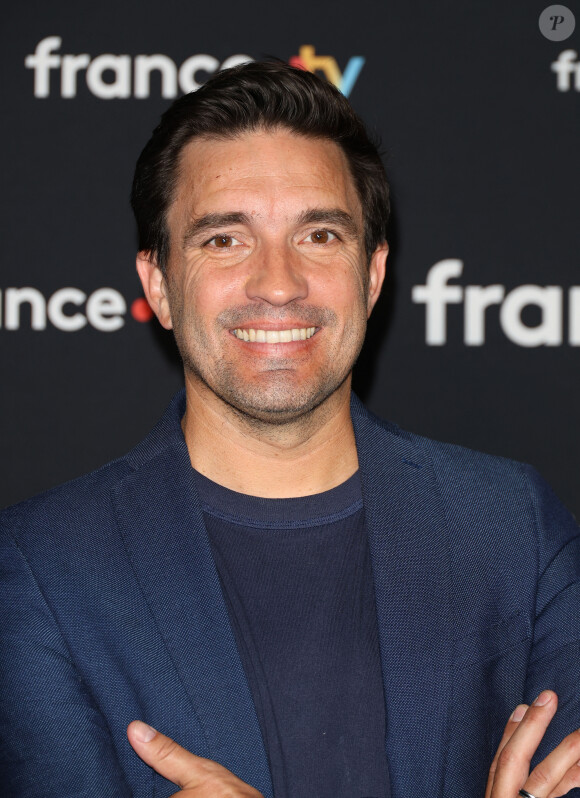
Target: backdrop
(477, 338)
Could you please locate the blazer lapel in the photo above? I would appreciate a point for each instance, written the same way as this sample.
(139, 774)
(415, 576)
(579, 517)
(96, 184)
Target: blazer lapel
(162, 525)
(408, 542)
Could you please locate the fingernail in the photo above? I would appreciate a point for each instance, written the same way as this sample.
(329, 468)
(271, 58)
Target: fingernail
(544, 698)
(519, 713)
(143, 732)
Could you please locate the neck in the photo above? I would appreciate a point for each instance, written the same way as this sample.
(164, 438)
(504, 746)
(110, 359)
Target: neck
(310, 454)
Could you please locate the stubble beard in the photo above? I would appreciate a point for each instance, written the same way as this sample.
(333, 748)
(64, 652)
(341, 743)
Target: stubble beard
(277, 401)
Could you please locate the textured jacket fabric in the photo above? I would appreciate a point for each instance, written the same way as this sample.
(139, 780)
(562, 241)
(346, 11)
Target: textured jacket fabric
(112, 610)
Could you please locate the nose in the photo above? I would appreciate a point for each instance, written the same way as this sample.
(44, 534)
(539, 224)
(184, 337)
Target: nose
(276, 276)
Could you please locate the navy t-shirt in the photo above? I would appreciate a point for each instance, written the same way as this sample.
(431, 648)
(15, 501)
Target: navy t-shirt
(297, 581)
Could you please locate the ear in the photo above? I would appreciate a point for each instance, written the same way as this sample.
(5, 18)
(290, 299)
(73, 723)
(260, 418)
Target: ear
(154, 287)
(377, 271)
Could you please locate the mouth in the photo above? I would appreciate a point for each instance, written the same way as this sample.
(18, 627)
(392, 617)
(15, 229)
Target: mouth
(274, 336)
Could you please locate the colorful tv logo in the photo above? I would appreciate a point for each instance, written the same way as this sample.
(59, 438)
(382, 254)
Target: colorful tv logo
(344, 81)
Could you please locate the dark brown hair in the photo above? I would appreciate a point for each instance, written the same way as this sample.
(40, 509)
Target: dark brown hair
(258, 95)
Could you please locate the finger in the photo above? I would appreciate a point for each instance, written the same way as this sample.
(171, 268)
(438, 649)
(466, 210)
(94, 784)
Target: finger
(513, 763)
(570, 780)
(510, 728)
(169, 759)
(546, 778)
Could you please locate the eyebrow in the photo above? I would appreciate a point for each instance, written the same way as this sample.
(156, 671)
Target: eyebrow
(335, 216)
(212, 221)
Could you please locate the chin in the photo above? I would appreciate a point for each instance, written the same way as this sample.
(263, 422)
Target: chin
(267, 399)
(276, 406)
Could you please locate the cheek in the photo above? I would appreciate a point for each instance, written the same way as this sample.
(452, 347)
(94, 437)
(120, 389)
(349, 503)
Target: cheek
(206, 297)
(346, 290)
(213, 297)
(354, 276)
(196, 290)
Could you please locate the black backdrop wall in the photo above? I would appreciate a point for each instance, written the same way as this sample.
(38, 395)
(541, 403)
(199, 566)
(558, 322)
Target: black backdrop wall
(477, 339)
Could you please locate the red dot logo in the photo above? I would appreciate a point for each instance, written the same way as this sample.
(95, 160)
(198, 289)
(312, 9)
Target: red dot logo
(141, 311)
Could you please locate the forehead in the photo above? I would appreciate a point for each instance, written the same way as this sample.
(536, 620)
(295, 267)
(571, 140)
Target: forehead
(278, 173)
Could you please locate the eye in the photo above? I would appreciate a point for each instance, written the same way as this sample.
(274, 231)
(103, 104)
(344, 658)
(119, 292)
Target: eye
(223, 242)
(321, 237)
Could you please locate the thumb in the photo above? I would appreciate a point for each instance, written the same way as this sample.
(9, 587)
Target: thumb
(510, 728)
(169, 759)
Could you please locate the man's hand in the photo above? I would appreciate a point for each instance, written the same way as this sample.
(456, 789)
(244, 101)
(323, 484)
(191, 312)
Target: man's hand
(196, 777)
(558, 773)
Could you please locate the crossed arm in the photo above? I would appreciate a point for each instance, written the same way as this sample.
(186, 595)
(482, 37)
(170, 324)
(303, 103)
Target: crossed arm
(558, 773)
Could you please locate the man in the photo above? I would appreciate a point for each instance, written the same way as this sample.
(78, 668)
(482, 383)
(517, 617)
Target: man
(315, 601)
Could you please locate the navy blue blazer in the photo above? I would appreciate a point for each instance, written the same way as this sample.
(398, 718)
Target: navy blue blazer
(112, 610)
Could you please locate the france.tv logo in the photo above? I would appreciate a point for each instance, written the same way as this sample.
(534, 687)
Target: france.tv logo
(344, 81)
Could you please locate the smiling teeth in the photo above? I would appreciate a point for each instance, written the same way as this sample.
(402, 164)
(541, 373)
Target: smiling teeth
(275, 336)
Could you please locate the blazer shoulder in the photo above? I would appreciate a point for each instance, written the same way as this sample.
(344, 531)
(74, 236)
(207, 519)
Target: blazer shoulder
(443, 456)
(72, 505)
(494, 492)
(86, 503)
(453, 457)
(472, 484)
(460, 468)
(89, 496)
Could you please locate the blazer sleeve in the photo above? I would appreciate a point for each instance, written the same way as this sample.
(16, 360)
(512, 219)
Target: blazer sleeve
(47, 717)
(554, 661)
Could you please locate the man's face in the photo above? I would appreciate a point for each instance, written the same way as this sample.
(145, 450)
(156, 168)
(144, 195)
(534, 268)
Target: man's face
(267, 285)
